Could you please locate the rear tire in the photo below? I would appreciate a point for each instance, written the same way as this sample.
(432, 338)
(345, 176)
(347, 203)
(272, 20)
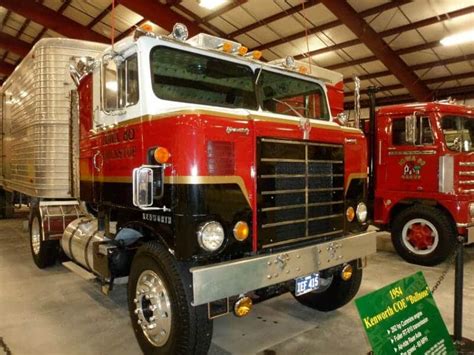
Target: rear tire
(159, 300)
(335, 295)
(44, 252)
(423, 235)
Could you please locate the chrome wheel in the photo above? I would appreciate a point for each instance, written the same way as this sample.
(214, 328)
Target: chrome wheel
(153, 307)
(35, 236)
(420, 236)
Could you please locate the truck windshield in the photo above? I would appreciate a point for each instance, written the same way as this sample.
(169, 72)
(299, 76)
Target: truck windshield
(292, 96)
(190, 77)
(183, 76)
(458, 132)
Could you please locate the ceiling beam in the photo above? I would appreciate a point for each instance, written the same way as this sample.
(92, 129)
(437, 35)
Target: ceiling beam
(100, 17)
(14, 44)
(459, 92)
(390, 32)
(6, 68)
(381, 50)
(197, 20)
(160, 14)
(437, 80)
(52, 20)
(436, 63)
(273, 18)
(131, 29)
(407, 50)
(221, 11)
(329, 25)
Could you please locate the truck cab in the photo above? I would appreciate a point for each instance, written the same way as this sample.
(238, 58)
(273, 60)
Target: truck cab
(424, 191)
(212, 181)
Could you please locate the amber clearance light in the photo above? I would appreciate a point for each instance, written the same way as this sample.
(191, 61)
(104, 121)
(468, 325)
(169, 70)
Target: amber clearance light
(241, 231)
(161, 155)
(350, 214)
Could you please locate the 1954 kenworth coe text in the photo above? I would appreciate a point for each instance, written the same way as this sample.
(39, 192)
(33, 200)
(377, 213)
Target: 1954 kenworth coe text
(423, 164)
(216, 180)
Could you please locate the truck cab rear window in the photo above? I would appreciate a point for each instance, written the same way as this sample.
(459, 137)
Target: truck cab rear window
(193, 78)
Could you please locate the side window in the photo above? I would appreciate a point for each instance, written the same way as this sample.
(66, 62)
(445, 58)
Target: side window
(132, 80)
(111, 79)
(424, 134)
(120, 84)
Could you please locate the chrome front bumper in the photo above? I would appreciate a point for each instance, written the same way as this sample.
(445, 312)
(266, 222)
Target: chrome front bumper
(214, 282)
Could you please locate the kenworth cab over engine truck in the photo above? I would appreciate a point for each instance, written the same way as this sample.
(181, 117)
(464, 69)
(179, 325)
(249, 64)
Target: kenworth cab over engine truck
(423, 172)
(212, 180)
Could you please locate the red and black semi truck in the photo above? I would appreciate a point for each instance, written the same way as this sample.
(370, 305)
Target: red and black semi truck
(210, 179)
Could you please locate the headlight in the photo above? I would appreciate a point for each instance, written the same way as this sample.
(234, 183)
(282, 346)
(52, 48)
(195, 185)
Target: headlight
(471, 209)
(210, 235)
(361, 212)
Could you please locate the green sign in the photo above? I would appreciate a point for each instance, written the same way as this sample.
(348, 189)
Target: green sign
(402, 318)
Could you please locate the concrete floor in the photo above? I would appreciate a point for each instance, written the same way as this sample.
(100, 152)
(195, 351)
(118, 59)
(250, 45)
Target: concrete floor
(55, 311)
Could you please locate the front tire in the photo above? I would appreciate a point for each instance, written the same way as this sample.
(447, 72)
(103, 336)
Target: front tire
(159, 299)
(423, 235)
(336, 293)
(44, 252)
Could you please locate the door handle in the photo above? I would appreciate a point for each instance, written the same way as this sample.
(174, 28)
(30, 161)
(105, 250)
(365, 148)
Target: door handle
(97, 163)
(350, 141)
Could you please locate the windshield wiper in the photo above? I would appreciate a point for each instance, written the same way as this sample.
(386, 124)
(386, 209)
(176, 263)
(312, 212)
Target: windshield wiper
(289, 106)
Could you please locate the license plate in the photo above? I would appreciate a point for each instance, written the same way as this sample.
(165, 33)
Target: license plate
(306, 284)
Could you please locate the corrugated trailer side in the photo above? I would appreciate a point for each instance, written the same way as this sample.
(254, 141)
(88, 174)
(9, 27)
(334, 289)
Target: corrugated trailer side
(36, 114)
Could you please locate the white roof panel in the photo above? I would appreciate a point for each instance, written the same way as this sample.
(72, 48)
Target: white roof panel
(387, 20)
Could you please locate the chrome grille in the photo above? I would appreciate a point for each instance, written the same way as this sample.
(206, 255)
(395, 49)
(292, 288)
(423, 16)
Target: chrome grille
(466, 177)
(300, 191)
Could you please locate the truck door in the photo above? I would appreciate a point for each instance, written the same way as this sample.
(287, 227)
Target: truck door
(411, 167)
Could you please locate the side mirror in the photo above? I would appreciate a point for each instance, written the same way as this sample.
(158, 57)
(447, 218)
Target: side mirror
(410, 129)
(342, 118)
(147, 185)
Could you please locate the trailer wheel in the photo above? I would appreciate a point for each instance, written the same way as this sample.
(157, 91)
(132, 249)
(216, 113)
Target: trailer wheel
(44, 252)
(159, 300)
(335, 292)
(423, 235)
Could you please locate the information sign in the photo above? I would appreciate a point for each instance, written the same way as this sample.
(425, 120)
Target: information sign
(402, 318)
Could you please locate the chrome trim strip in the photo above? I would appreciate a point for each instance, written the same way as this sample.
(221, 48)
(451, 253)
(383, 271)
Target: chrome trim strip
(281, 192)
(229, 278)
(466, 173)
(284, 141)
(413, 152)
(315, 204)
(466, 182)
(295, 221)
(467, 190)
(466, 163)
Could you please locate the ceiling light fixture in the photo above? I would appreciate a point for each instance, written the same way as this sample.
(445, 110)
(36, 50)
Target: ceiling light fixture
(458, 38)
(211, 4)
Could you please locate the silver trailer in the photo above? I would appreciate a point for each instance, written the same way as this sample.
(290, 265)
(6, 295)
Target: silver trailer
(38, 133)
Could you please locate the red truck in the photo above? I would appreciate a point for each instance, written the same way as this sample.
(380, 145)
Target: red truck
(211, 180)
(422, 177)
